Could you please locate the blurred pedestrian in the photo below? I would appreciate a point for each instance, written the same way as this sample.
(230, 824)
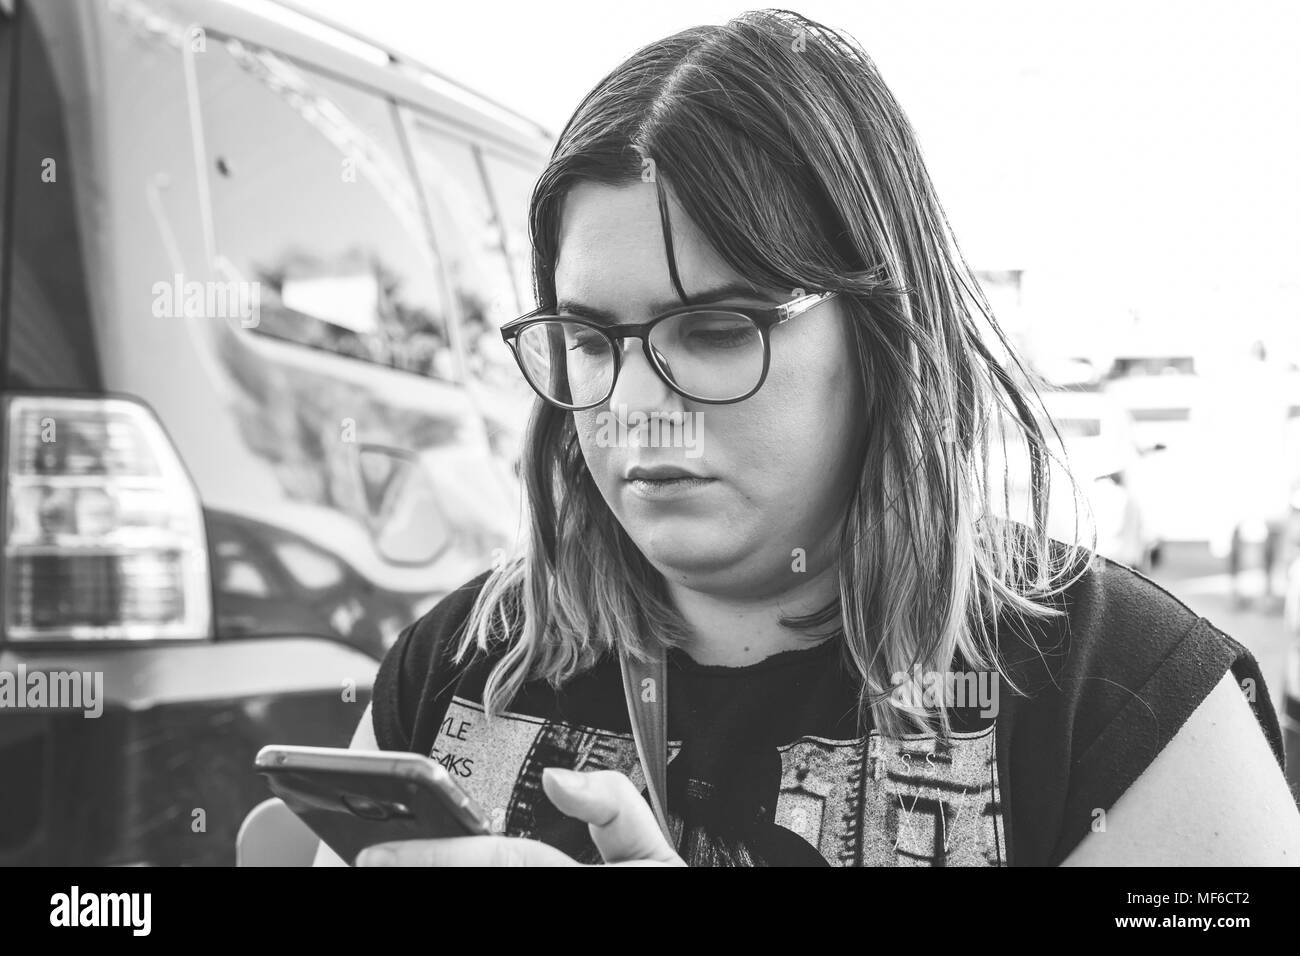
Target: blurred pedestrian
(1246, 425)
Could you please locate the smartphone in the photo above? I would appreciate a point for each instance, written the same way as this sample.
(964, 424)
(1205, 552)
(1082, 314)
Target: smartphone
(353, 799)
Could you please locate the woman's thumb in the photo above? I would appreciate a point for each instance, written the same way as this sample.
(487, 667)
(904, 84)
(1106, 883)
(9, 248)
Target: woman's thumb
(622, 825)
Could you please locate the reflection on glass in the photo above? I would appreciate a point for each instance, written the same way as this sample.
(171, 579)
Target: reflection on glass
(311, 200)
(477, 234)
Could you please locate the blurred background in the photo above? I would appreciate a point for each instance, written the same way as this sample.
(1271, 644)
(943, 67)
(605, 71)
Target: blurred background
(257, 416)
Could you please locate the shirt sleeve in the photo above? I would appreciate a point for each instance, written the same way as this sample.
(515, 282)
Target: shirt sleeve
(418, 675)
(1152, 716)
(392, 719)
(1120, 678)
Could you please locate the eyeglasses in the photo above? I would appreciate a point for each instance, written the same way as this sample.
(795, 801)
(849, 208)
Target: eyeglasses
(713, 355)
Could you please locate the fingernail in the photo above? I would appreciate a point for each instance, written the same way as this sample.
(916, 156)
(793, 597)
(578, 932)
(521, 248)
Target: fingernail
(570, 780)
(377, 856)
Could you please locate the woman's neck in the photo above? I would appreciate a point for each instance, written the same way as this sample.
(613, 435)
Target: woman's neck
(734, 632)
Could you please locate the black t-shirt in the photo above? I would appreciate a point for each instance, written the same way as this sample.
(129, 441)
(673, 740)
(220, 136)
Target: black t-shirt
(766, 762)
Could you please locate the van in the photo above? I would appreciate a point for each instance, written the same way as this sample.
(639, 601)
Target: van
(255, 417)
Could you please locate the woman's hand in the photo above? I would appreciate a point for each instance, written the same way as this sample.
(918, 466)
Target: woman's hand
(621, 823)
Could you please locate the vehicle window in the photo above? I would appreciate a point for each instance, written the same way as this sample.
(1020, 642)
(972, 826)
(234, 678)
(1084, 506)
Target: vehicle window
(312, 200)
(512, 186)
(472, 242)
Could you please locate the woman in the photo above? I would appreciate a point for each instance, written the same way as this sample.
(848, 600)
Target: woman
(768, 451)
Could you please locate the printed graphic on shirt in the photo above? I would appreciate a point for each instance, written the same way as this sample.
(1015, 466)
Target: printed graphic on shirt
(885, 802)
(866, 802)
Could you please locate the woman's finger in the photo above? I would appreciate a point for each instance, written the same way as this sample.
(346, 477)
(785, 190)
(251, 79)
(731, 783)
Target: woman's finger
(465, 851)
(622, 825)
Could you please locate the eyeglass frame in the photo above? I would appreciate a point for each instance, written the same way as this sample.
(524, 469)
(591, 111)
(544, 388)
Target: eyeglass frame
(763, 319)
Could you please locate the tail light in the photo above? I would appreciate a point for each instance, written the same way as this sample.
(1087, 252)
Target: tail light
(103, 528)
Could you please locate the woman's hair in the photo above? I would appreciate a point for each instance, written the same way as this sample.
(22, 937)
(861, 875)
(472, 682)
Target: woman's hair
(779, 138)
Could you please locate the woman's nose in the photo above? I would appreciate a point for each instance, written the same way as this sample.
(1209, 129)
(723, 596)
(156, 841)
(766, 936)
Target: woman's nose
(639, 387)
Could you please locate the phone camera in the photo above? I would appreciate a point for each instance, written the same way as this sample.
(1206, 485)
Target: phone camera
(365, 808)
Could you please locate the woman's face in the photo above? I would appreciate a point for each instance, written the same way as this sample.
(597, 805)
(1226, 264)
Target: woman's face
(778, 466)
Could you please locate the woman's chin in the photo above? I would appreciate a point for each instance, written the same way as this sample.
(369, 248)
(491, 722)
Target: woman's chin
(688, 550)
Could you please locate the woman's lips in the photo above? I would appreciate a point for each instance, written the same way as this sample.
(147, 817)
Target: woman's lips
(663, 488)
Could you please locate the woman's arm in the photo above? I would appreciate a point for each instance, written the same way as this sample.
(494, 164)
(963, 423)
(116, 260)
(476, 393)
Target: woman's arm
(1214, 796)
(363, 738)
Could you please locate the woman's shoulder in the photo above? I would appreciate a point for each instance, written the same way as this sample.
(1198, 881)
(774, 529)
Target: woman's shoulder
(1110, 595)
(1127, 629)
(1122, 645)
(1110, 620)
(1100, 691)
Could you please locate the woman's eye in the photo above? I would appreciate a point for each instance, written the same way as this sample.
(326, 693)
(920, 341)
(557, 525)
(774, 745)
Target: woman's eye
(722, 337)
(590, 343)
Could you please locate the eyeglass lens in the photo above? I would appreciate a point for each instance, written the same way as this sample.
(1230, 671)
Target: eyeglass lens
(711, 355)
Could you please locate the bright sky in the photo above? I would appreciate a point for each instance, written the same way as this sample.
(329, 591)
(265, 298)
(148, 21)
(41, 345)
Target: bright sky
(1128, 155)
